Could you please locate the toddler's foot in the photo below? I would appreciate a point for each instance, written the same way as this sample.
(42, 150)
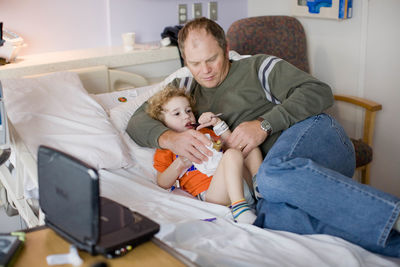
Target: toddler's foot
(242, 213)
(246, 217)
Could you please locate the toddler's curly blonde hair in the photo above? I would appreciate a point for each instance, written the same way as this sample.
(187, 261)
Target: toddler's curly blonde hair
(158, 100)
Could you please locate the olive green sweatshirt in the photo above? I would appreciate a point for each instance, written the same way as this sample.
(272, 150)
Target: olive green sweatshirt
(258, 86)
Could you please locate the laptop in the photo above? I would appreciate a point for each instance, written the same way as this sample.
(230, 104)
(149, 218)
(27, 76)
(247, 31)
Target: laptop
(69, 198)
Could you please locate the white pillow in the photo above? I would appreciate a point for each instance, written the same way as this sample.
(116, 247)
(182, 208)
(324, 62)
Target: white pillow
(112, 99)
(55, 110)
(121, 114)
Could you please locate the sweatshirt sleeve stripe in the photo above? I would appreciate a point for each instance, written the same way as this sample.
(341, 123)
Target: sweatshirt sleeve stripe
(186, 83)
(263, 74)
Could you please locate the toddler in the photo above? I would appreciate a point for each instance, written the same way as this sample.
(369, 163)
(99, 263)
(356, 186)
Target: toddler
(226, 187)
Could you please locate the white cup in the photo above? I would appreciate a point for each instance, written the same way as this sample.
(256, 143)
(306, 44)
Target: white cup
(128, 39)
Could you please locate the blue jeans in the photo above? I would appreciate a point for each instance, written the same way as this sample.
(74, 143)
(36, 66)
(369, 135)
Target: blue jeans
(306, 189)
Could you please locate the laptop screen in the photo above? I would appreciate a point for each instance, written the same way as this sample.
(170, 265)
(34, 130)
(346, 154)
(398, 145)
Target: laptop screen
(69, 198)
(69, 195)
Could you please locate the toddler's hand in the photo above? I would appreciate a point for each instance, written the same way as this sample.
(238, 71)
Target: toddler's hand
(206, 119)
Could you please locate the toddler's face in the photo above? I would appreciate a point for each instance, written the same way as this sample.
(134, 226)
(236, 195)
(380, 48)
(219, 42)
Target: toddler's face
(178, 114)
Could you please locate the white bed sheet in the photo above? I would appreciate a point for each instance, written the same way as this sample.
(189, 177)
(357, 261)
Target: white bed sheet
(220, 242)
(223, 242)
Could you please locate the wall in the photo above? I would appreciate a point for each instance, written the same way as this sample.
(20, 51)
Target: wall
(382, 82)
(48, 25)
(359, 56)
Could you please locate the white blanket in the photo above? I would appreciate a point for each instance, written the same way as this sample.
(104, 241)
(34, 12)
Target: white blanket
(223, 242)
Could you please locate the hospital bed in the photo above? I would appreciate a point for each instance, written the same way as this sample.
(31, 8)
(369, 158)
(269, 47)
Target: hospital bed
(85, 113)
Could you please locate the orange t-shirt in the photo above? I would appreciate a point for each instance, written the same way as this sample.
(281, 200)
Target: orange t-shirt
(193, 181)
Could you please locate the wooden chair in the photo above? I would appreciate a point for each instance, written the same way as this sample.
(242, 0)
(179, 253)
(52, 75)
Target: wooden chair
(284, 37)
(363, 146)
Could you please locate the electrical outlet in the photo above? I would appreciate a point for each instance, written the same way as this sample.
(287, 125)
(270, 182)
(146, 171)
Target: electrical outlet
(182, 13)
(197, 12)
(213, 10)
(301, 2)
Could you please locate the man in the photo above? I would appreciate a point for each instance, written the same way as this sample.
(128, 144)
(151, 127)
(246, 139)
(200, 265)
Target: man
(304, 179)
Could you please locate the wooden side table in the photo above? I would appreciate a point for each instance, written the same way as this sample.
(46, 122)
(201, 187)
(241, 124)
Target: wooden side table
(43, 242)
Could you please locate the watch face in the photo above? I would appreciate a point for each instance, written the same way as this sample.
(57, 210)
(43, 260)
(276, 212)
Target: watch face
(266, 126)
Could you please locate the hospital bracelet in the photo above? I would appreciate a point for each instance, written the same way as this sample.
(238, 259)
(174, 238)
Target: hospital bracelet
(220, 128)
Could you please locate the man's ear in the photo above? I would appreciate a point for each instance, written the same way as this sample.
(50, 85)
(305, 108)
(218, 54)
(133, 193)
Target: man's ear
(182, 57)
(227, 50)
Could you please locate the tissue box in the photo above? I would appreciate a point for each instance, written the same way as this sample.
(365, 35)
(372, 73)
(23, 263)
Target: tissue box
(12, 45)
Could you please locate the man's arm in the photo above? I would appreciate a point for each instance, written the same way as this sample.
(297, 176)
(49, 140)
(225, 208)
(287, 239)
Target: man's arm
(143, 129)
(299, 96)
(148, 132)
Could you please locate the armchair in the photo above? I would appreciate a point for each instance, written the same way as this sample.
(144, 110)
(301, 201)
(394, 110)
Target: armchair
(284, 37)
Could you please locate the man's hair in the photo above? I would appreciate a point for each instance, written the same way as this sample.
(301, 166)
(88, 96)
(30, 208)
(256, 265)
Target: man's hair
(210, 26)
(158, 100)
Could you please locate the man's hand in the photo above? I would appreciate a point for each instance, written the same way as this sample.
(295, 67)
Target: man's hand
(190, 144)
(247, 136)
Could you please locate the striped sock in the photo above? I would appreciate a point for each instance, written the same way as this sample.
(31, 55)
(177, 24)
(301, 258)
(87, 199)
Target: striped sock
(241, 212)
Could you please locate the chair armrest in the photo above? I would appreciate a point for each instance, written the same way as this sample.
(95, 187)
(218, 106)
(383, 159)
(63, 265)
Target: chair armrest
(362, 102)
(371, 108)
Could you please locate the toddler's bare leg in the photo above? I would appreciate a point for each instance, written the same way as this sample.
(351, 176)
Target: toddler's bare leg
(227, 185)
(228, 181)
(252, 162)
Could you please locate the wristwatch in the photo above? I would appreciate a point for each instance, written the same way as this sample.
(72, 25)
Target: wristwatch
(265, 125)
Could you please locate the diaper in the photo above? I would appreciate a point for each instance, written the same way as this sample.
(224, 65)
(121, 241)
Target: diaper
(210, 166)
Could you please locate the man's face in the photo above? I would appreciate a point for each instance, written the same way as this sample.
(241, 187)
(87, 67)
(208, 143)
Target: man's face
(206, 60)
